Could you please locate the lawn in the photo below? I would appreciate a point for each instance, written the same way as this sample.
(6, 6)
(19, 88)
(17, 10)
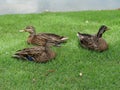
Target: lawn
(100, 70)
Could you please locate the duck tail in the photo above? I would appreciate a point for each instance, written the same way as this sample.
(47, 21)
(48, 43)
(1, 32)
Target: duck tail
(16, 56)
(64, 38)
(29, 58)
(78, 34)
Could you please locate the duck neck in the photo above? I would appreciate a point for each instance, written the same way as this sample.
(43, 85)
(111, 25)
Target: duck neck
(32, 34)
(31, 37)
(47, 48)
(100, 32)
(49, 52)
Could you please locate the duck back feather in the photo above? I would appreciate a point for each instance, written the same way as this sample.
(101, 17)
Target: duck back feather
(94, 42)
(40, 38)
(37, 54)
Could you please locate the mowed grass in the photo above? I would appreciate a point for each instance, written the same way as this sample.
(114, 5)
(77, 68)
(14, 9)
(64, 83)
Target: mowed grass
(100, 70)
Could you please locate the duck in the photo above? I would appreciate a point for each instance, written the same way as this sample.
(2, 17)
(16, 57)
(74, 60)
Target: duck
(40, 38)
(94, 42)
(40, 54)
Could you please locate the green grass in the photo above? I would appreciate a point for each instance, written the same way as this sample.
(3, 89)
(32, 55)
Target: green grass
(101, 71)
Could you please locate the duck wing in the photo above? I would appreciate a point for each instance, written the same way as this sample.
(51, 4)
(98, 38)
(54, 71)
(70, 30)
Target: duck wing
(53, 36)
(53, 39)
(102, 44)
(39, 40)
(33, 50)
(87, 40)
(38, 54)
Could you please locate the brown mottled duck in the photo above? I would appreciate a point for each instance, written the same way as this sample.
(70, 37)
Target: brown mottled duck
(94, 42)
(40, 38)
(36, 53)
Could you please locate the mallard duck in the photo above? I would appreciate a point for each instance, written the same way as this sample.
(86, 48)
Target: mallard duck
(36, 53)
(40, 38)
(94, 42)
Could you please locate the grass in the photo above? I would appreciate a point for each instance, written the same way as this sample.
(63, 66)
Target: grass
(101, 71)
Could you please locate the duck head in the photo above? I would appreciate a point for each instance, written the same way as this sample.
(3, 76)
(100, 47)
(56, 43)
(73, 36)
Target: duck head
(102, 29)
(29, 29)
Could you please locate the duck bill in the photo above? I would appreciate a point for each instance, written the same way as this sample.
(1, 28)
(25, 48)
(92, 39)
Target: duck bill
(21, 30)
(24, 30)
(108, 28)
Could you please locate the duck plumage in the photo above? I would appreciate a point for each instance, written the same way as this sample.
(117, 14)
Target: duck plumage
(94, 42)
(36, 53)
(40, 38)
